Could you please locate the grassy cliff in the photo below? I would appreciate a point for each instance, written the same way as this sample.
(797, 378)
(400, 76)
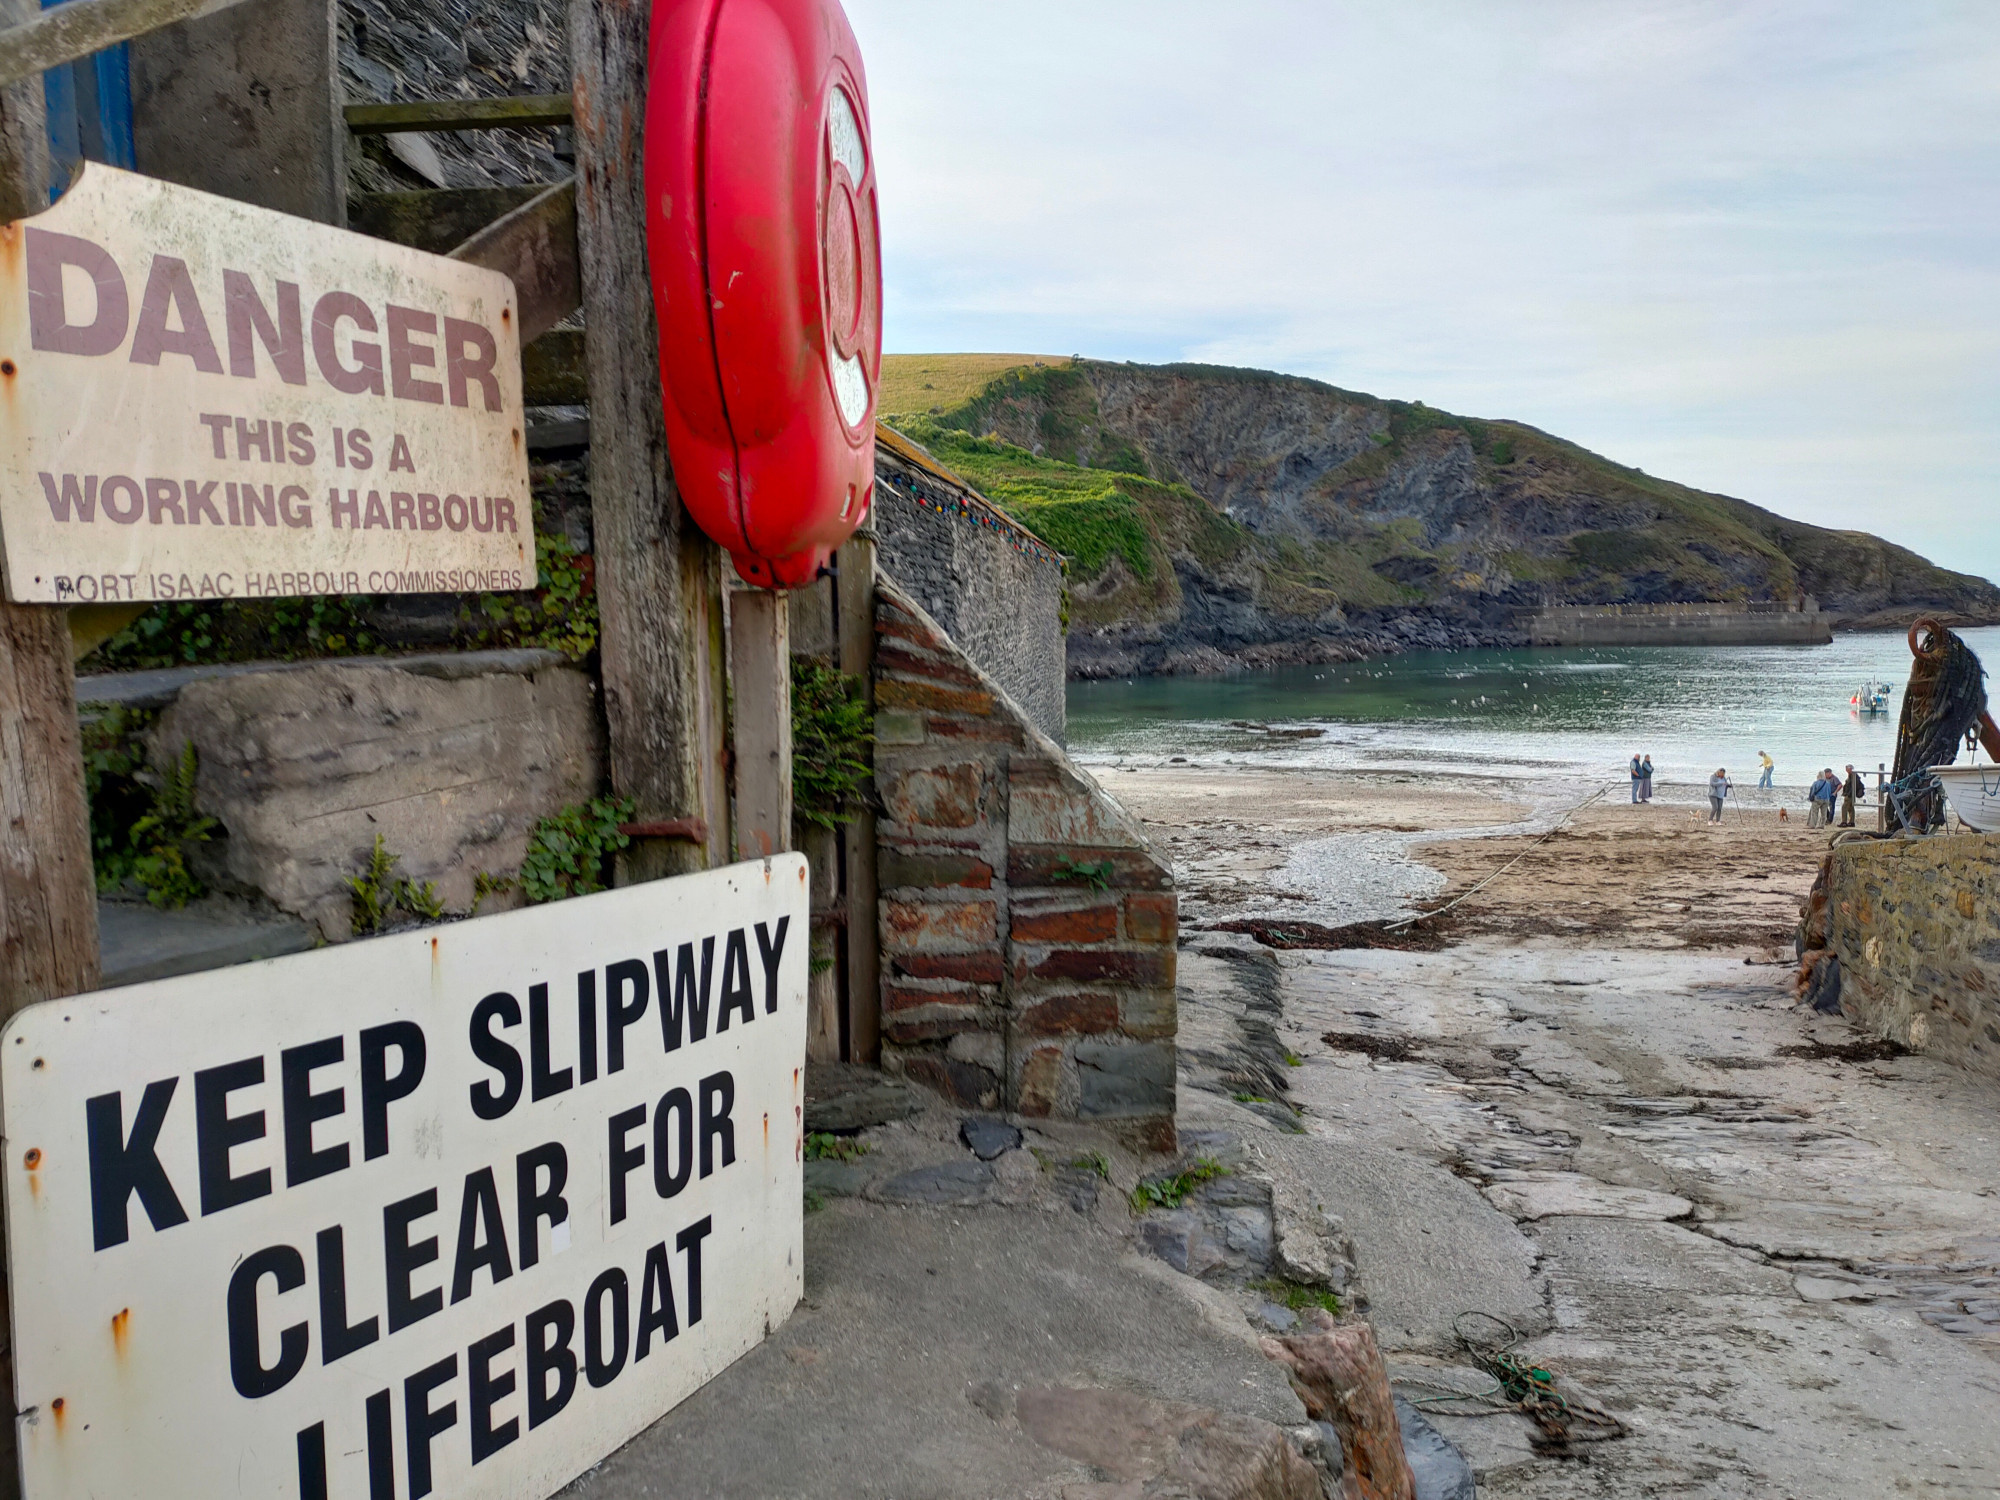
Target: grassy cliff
(1210, 509)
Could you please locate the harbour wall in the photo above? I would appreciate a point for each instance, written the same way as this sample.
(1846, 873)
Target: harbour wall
(1697, 624)
(1914, 926)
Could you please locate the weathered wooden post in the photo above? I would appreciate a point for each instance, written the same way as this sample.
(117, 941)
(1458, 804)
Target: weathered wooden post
(854, 584)
(659, 579)
(48, 896)
(761, 667)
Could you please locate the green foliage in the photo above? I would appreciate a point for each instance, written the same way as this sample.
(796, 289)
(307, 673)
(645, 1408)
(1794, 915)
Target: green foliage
(379, 893)
(1292, 1059)
(1172, 1191)
(1502, 451)
(822, 1146)
(114, 764)
(1094, 1162)
(814, 1201)
(1095, 873)
(569, 850)
(831, 733)
(1295, 1296)
(162, 839)
(561, 615)
(485, 883)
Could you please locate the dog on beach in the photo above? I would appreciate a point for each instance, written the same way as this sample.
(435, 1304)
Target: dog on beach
(1784, 816)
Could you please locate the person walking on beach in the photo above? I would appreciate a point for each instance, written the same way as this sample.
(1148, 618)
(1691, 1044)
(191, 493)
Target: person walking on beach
(1770, 766)
(1824, 788)
(1646, 779)
(1851, 789)
(1718, 788)
(1637, 776)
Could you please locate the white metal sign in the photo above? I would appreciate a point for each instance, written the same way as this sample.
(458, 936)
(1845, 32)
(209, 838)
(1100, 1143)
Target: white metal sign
(453, 1212)
(202, 399)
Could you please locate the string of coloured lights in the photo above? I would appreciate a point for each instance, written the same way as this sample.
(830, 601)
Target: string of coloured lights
(932, 497)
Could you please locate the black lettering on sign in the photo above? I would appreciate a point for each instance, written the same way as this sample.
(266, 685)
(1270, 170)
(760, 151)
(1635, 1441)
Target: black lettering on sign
(544, 1081)
(625, 996)
(735, 981)
(623, 1157)
(312, 1462)
(673, 1154)
(304, 1109)
(532, 1203)
(401, 1260)
(718, 1097)
(217, 1132)
(771, 948)
(379, 1088)
(604, 1352)
(381, 1448)
(338, 1338)
(484, 1390)
(689, 1005)
(482, 1237)
(688, 1242)
(247, 1370)
(120, 1167)
(550, 1331)
(586, 1026)
(489, 1102)
(656, 1304)
(422, 1423)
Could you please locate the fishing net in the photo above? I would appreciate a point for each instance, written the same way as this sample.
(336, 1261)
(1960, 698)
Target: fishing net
(1946, 696)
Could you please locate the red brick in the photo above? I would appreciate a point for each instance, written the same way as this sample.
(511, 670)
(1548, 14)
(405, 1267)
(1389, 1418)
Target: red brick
(932, 926)
(987, 967)
(935, 796)
(895, 868)
(1152, 919)
(903, 625)
(891, 693)
(902, 997)
(1111, 965)
(934, 669)
(1030, 865)
(994, 731)
(906, 1030)
(1070, 1015)
(1091, 924)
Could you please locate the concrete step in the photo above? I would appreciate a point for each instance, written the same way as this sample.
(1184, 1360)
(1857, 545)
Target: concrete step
(140, 943)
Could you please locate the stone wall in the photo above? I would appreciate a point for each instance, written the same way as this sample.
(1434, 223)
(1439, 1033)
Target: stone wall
(1028, 930)
(994, 587)
(1914, 925)
(452, 759)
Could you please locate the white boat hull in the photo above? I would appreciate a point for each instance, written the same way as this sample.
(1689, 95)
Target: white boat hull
(1974, 794)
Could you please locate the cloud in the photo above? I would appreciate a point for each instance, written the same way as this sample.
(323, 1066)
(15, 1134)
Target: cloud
(1753, 248)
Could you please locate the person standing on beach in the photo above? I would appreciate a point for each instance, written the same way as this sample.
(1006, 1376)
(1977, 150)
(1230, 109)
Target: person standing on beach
(1718, 788)
(1851, 789)
(1770, 766)
(1637, 775)
(1646, 779)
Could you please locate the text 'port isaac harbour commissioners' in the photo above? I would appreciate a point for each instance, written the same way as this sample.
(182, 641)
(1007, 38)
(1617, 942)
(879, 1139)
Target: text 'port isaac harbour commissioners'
(201, 399)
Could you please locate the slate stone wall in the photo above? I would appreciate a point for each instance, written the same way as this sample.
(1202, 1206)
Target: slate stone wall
(1915, 925)
(994, 587)
(1028, 929)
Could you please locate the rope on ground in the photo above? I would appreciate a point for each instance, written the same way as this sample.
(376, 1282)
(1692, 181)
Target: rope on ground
(1516, 1386)
(1557, 828)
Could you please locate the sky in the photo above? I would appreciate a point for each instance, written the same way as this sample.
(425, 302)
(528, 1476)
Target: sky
(1751, 247)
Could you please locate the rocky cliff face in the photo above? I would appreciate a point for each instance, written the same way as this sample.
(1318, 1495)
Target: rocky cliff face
(1338, 523)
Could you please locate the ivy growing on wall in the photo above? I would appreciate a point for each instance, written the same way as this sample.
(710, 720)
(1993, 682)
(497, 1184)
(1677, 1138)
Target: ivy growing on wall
(831, 733)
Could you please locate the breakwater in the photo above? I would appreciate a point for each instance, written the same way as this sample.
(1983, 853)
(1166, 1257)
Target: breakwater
(1695, 624)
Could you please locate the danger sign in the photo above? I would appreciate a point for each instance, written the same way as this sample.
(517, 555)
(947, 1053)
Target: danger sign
(452, 1212)
(202, 399)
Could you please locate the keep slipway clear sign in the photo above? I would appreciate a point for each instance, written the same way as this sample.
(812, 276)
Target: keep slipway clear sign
(453, 1212)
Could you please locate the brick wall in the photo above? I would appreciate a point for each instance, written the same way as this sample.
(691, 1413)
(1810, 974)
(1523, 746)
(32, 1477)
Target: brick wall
(1915, 925)
(1028, 929)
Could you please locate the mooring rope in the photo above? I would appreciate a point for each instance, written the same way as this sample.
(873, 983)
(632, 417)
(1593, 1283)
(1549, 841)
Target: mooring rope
(1946, 696)
(1516, 1386)
(1424, 916)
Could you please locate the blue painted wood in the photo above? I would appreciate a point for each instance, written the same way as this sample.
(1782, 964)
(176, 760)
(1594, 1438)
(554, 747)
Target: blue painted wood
(90, 113)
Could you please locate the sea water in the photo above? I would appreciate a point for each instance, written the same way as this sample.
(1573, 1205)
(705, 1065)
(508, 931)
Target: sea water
(1557, 718)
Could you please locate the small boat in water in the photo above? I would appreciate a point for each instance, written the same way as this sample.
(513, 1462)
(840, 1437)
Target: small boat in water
(1974, 794)
(1872, 699)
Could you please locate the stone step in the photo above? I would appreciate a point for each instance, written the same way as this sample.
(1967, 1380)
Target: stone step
(139, 943)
